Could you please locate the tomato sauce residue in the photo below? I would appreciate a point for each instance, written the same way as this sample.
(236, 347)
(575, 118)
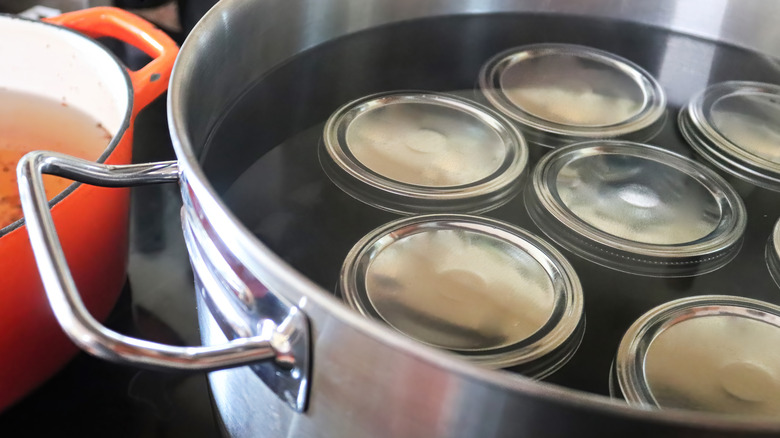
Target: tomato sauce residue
(29, 122)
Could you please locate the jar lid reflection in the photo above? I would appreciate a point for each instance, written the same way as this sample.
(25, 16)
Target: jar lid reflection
(563, 93)
(735, 126)
(481, 288)
(707, 353)
(636, 208)
(423, 152)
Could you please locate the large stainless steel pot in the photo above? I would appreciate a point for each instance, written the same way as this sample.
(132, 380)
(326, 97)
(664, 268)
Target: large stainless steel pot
(319, 369)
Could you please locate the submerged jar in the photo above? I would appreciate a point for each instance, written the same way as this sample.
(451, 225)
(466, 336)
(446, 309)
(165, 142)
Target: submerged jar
(564, 93)
(773, 253)
(483, 289)
(636, 208)
(736, 127)
(710, 353)
(423, 152)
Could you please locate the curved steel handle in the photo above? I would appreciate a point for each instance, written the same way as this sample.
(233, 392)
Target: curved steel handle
(272, 344)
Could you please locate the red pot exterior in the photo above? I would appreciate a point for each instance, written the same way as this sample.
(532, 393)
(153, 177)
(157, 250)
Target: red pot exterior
(93, 225)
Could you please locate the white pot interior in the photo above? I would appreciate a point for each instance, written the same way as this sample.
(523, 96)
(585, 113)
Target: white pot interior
(61, 65)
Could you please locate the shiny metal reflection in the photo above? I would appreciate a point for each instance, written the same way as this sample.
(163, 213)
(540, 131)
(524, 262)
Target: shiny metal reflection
(709, 353)
(424, 143)
(478, 287)
(413, 152)
(637, 199)
(736, 126)
(560, 93)
(636, 208)
(459, 290)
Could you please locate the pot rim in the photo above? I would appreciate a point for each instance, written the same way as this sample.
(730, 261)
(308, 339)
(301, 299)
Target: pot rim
(115, 139)
(258, 258)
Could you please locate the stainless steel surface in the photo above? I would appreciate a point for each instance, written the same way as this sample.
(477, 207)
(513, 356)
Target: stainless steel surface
(572, 91)
(636, 208)
(735, 125)
(489, 291)
(423, 151)
(231, 302)
(273, 343)
(418, 391)
(709, 353)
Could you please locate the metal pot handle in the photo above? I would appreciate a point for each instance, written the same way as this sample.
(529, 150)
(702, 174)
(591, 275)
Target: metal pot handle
(274, 343)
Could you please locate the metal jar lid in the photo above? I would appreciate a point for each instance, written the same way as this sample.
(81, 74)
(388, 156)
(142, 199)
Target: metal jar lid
(773, 253)
(423, 152)
(486, 290)
(636, 208)
(736, 126)
(713, 353)
(562, 93)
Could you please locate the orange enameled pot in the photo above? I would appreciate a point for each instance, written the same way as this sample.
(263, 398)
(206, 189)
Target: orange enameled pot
(58, 60)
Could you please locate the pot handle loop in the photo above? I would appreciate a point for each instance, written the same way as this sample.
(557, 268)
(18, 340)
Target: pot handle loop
(272, 344)
(150, 81)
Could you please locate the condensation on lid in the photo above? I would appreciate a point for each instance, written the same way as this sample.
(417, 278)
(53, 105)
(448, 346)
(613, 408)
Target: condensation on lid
(736, 126)
(572, 90)
(407, 151)
(636, 208)
(709, 353)
(470, 285)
